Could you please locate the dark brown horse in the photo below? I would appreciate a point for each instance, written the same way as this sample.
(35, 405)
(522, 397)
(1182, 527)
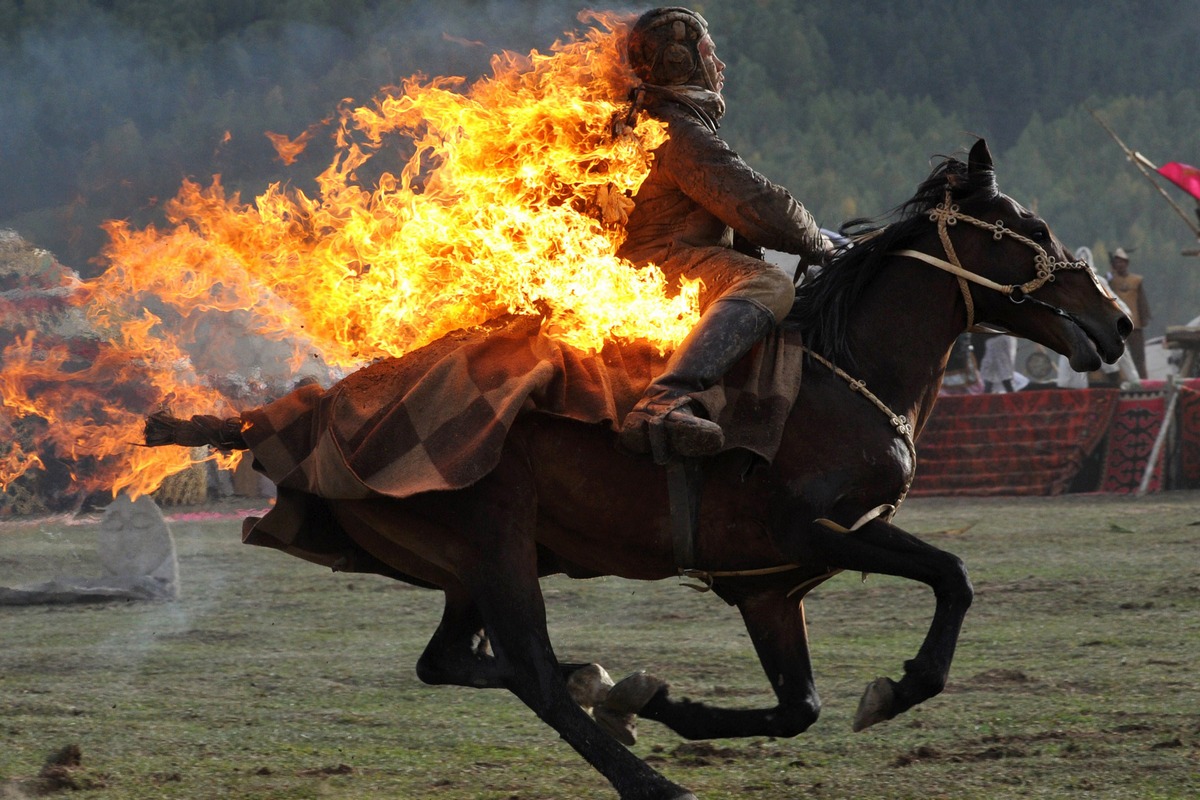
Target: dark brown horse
(880, 322)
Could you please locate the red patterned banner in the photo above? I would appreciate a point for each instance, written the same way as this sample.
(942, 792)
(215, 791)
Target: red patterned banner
(1135, 427)
(1189, 436)
(1027, 443)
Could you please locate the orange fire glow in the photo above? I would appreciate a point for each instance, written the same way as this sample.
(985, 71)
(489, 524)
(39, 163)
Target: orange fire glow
(290, 149)
(507, 202)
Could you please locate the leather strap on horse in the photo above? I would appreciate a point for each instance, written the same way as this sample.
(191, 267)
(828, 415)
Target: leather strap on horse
(947, 214)
(708, 577)
(902, 424)
(684, 476)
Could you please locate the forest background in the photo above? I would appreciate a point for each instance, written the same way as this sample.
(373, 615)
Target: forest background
(106, 105)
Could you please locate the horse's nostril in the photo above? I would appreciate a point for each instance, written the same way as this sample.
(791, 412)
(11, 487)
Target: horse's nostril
(1124, 327)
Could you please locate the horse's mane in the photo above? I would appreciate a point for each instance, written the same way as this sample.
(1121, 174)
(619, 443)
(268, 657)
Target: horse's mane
(825, 301)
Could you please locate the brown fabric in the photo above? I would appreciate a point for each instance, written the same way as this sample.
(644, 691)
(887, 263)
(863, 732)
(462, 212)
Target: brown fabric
(438, 418)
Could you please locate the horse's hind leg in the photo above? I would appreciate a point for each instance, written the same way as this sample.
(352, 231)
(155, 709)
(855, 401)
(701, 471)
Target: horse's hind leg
(777, 629)
(491, 527)
(880, 547)
(460, 653)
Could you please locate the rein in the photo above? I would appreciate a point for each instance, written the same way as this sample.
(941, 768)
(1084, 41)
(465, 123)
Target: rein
(947, 214)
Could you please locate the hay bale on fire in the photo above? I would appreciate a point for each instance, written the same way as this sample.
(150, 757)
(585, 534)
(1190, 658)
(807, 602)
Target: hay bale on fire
(186, 488)
(73, 372)
(35, 308)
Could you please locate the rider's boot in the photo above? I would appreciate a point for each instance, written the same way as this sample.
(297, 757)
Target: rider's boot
(664, 421)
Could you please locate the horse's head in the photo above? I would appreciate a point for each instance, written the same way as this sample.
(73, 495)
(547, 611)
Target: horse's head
(1016, 275)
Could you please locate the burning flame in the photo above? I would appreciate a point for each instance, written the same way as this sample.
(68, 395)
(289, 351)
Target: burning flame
(508, 201)
(290, 149)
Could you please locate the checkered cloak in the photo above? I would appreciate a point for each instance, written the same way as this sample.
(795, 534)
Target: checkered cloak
(437, 419)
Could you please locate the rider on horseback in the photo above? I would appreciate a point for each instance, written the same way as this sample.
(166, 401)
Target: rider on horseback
(703, 213)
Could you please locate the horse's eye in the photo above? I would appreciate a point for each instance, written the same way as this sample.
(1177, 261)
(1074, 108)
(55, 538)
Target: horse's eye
(1040, 234)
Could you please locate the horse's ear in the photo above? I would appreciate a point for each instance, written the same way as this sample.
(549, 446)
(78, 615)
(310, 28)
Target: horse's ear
(980, 158)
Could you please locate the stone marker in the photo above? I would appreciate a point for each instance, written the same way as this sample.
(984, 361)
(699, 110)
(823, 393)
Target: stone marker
(137, 555)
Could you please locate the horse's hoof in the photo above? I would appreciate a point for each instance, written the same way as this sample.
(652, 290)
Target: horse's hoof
(632, 693)
(617, 713)
(589, 686)
(875, 705)
(622, 726)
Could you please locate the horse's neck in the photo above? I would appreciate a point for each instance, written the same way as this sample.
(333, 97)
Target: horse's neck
(901, 334)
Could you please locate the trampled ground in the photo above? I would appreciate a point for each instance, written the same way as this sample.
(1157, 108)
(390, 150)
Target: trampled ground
(1076, 677)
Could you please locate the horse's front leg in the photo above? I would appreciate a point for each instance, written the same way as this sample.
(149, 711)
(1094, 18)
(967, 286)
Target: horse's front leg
(777, 629)
(881, 547)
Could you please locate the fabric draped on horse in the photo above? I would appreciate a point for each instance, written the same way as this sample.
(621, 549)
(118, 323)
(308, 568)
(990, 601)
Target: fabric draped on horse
(437, 419)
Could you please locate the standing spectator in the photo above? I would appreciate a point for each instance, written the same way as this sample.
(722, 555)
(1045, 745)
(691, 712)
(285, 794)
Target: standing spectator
(998, 363)
(962, 369)
(1128, 286)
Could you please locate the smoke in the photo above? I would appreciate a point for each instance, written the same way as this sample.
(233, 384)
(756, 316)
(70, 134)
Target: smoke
(103, 120)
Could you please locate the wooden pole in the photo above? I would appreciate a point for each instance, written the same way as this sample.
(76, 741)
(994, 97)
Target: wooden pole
(1141, 162)
(1160, 440)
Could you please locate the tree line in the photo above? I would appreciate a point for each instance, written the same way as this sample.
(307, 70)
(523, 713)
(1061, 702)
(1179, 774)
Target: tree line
(108, 104)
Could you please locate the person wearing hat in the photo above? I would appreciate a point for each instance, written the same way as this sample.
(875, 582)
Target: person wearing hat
(1129, 287)
(702, 213)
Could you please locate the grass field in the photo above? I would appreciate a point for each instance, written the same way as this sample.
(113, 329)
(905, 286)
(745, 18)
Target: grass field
(1077, 676)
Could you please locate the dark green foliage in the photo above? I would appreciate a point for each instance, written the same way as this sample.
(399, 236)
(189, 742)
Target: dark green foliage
(107, 104)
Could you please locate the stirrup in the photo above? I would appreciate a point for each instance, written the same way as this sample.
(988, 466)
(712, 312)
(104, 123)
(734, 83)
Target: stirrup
(670, 431)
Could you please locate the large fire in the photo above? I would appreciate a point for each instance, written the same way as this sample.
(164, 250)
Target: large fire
(508, 201)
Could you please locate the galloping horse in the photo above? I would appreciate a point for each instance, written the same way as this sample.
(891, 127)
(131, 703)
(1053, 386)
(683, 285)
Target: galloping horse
(878, 325)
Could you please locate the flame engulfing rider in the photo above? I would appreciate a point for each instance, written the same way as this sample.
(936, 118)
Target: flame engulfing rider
(703, 213)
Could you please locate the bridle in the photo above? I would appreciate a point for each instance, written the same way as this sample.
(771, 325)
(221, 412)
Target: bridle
(947, 214)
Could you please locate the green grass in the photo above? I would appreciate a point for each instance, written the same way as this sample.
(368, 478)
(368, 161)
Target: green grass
(272, 678)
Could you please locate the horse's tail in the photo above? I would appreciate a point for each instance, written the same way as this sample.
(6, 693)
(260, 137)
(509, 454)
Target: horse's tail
(202, 429)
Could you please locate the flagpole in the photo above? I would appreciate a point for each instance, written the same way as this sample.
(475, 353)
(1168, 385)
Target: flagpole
(1141, 162)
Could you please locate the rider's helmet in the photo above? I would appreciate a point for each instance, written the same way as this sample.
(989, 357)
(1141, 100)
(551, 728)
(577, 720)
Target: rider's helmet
(664, 48)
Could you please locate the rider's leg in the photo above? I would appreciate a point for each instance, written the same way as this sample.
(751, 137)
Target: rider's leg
(754, 299)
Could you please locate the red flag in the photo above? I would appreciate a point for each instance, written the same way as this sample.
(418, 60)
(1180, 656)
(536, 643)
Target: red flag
(1183, 176)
